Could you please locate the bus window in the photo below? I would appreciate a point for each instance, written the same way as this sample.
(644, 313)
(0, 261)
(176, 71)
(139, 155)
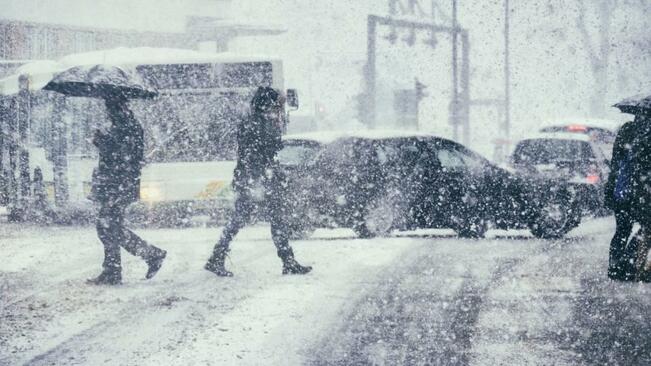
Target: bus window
(247, 74)
(190, 127)
(177, 76)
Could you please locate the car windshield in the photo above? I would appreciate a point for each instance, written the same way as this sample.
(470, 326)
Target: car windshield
(547, 151)
(298, 152)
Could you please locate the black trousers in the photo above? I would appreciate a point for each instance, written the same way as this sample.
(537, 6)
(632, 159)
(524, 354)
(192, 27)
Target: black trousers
(621, 256)
(245, 204)
(113, 234)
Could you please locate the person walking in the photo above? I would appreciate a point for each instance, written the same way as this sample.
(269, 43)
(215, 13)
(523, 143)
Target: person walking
(618, 197)
(641, 205)
(116, 184)
(258, 173)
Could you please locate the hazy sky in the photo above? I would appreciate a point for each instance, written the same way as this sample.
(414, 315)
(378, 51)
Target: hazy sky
(324, 50)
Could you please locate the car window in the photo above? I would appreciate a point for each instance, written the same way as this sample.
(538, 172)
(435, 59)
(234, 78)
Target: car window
(604, 151)
(549, 151)
(337, 154)
(297, 153)
(450, 159)
(473, 162)
(587, 152)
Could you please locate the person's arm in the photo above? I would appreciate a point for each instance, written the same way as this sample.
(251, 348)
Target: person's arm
(619, 147)
(104, 140)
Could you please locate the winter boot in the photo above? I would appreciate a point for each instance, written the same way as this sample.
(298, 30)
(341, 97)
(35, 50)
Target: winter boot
(109, 277)
(155, 263)
(216, 263)
(617, 274)
(290, 265)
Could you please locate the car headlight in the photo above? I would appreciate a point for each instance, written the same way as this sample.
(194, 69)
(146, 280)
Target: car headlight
(151, 192)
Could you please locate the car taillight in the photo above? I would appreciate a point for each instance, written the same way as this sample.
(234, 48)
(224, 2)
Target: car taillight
(592, 178)
(577, 128)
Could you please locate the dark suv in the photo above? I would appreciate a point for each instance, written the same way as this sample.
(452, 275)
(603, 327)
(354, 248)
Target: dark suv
(375, 183)
(572, 158)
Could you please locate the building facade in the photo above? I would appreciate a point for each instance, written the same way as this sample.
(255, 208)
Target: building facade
(33, 30)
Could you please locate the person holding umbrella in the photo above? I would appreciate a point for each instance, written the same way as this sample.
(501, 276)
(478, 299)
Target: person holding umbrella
(257, 170)
(620, 265)
(116, 181)
(628, 190)
(641, 208)
(116, 185)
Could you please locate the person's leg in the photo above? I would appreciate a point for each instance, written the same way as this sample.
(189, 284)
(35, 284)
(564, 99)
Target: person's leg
(278, 211)
(241, 215)
(109, 231)
(136, 246)
(619, 263)
(642, 272)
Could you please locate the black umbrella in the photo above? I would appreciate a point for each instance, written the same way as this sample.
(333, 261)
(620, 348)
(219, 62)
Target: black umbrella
(635, 104)
(99, 81)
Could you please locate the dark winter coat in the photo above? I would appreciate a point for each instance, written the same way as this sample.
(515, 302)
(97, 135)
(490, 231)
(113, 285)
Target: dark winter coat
(121, 156)
(633, 138)
(641, 209)
(258, 142)
(623, 143)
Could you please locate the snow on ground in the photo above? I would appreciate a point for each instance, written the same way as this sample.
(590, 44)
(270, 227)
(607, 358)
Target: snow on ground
(509, 292)
(184, 313)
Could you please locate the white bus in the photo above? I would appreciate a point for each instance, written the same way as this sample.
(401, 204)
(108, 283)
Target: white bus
(189, 127)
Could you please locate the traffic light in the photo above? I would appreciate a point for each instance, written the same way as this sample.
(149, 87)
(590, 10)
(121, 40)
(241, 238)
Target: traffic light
(420, 89)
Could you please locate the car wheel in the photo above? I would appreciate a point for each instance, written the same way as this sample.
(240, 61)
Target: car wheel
(378, 219)
(556, 216)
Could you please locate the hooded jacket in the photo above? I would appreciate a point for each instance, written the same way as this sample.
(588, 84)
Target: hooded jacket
(259, 138)
(258, 142)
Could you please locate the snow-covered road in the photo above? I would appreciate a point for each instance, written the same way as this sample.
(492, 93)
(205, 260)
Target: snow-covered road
(424, 297)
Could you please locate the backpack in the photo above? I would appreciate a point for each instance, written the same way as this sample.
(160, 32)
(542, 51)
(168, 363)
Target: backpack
(623, 190)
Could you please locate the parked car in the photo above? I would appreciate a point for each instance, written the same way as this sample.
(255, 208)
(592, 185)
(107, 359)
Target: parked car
(375, 182)
(572, 158)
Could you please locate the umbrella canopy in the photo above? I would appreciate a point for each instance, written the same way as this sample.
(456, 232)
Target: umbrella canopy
(99, 81)
(635, 104)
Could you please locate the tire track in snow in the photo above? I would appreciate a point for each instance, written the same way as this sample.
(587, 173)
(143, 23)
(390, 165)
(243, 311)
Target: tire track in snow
(408, 318)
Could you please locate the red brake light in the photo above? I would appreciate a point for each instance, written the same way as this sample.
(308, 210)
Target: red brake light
(577, 128)
(592, 178)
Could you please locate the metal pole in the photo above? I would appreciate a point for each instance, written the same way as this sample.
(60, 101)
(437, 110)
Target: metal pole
(507, 75)
(24, 112)
(370, 72)
(464, 107)
(454, 111)
(60, 153)
(4, 175)
(12, 134)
